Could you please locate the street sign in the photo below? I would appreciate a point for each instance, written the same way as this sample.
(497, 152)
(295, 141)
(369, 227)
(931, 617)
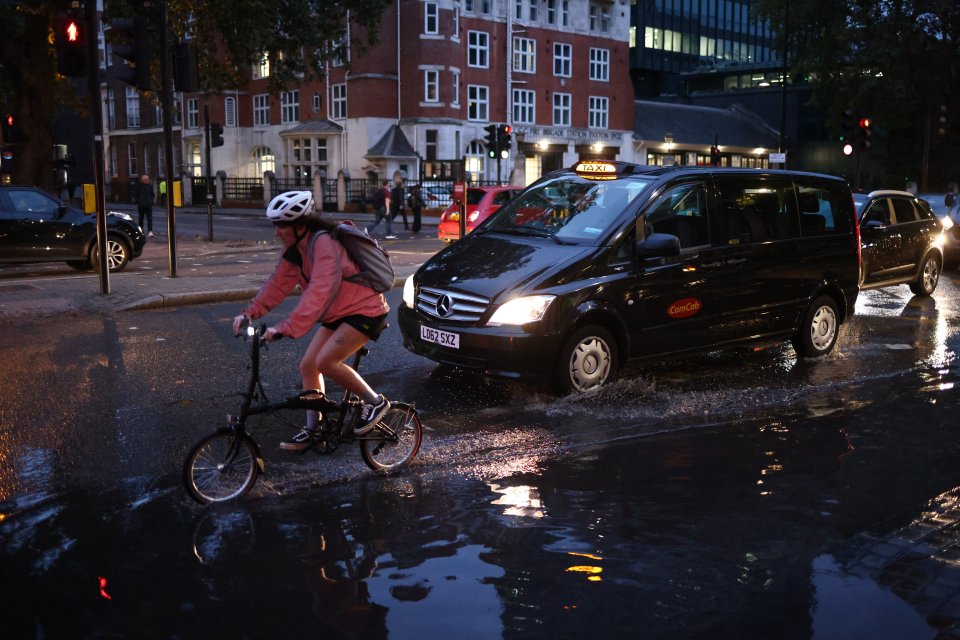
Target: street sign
(779, 158)
(459, 191)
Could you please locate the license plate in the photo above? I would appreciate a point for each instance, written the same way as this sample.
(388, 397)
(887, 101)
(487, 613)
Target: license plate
(443, 338)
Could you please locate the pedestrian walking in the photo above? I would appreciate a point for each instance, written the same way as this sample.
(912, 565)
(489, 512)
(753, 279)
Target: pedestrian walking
(163, 191)
(397, 201)
(415, 203)
(143, 196)
(381, 205)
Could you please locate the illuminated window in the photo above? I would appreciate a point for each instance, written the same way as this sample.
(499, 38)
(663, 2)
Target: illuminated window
(525, 55)
(262, 69)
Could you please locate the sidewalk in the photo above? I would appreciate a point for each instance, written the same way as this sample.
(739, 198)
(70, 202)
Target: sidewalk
(206, 272)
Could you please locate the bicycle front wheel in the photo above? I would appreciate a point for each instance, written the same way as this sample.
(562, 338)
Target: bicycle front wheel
(221, 467)
(394, 441)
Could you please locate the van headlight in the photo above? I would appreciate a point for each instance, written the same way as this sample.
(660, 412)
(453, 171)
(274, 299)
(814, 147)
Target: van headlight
(408, 291)
(521, 311)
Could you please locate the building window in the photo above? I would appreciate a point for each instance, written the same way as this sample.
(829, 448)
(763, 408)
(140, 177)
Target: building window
(193, 113)
(262, 69)
(339, 102)
(480, 6)
(518, 9)
(290, 107)
(430, 19)
(525, 55)
(564, 13)
(133, 109)
(455, 100)
(551, 11)
(305, 163)
(599, 18)
(524, 106)
(315, 103)
(230, 112)
(146, 160)
(476, 160)
(561, 109)
(600, 64)
(193, 159)
(478, 98)
(562, 59)
(177, 111)
(431, 148)
(431, 86)
(261, 110)
(263, 161)
(533, 10)
(456, 23)
(478, 49)
(132, 159)
(113, 161)
(111, 109)
(597, 112)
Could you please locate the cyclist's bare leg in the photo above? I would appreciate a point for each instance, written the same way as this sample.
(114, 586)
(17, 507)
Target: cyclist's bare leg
(329, 350)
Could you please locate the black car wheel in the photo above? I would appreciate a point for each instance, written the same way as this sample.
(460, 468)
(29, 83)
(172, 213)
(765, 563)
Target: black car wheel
(818, 331)
(118, 254)
(588, 359)
(929, 277)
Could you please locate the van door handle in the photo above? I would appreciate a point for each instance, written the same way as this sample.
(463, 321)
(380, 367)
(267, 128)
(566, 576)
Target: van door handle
(711, 265)
(736, 260)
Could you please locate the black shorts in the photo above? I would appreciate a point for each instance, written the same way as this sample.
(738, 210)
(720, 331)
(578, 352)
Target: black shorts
(370, 327)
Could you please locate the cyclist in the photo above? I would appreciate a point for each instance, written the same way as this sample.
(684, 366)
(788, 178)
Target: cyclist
(349, 314)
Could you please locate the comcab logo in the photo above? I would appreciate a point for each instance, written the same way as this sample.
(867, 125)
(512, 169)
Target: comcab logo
(684, 308)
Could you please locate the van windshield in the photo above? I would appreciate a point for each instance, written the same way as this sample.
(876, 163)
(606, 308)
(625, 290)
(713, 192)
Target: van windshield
(568, 207)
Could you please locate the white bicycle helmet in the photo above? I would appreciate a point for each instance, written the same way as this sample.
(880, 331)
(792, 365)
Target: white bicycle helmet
(289, 206)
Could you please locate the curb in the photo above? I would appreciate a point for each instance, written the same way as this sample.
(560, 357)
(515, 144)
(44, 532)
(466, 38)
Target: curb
(170, 300)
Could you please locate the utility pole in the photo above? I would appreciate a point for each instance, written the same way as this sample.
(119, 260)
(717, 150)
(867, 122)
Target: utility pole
(166, 98)
(93, 86)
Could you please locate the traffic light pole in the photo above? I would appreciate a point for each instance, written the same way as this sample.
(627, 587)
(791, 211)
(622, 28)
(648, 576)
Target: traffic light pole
(93, 84)
(166, 98)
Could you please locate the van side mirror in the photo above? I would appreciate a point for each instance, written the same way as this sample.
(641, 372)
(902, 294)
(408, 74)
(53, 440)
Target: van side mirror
(658, 245)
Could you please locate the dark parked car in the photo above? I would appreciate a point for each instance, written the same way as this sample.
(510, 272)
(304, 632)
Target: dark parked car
(609, 260)
(37, 227)
(901, 241)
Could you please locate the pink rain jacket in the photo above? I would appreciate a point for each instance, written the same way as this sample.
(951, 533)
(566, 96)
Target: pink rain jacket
(326, 296)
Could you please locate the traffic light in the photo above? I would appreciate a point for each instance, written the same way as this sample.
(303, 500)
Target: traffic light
(130, 41)
(866, 130)
(70, 41)
(504, 139)
(493, 148)
(848, 126)
(715, 156)
(8, 128)
(216, 134)
(942, 122)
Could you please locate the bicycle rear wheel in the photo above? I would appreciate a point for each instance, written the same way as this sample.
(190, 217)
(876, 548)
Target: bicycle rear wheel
(394, 441)
(221, 467)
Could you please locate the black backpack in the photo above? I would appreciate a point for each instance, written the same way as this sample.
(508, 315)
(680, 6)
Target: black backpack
(376, 271)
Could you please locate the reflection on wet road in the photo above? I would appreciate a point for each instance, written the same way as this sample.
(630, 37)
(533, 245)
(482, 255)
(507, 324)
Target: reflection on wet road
(728, 495)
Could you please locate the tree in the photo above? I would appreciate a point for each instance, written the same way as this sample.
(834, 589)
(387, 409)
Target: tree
(30, 88)
(891, 60)
(232, 35)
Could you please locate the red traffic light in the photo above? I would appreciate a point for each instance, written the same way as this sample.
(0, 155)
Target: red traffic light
(865, 123)
(507, 128)
(72, 31)
(9, 119)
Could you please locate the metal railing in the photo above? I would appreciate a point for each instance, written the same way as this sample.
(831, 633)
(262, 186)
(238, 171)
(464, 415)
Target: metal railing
(246, 189)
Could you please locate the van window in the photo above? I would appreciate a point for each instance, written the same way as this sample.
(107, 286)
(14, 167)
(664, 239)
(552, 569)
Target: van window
(822, 210)
(681, 211)
(568, 207)
(758, 211)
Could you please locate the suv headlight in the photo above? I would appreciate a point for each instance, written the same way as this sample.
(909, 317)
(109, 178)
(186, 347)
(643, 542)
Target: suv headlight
(408, 292)
(520, 311)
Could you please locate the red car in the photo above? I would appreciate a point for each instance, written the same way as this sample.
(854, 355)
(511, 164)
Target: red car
(481, 202)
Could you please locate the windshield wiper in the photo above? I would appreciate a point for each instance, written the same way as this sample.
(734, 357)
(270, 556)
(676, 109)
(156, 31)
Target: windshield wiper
(533, 231)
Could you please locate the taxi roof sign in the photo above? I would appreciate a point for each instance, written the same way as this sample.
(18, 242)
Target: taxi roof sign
(596, 170)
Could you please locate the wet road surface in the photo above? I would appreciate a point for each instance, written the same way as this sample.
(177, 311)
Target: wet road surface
(729, 495)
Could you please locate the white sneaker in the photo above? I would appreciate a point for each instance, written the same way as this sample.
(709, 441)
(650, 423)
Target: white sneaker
(150, 234)
(370, 415)
(298, 442)
(389, 237)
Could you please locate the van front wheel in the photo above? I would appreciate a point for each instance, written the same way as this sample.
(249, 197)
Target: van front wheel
(588, 359)
(818, 330)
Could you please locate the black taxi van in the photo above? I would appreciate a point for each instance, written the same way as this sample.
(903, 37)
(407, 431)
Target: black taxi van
(609, 260)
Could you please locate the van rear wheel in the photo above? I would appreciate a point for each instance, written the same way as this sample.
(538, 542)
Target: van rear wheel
(587, 360)
(818, 330)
